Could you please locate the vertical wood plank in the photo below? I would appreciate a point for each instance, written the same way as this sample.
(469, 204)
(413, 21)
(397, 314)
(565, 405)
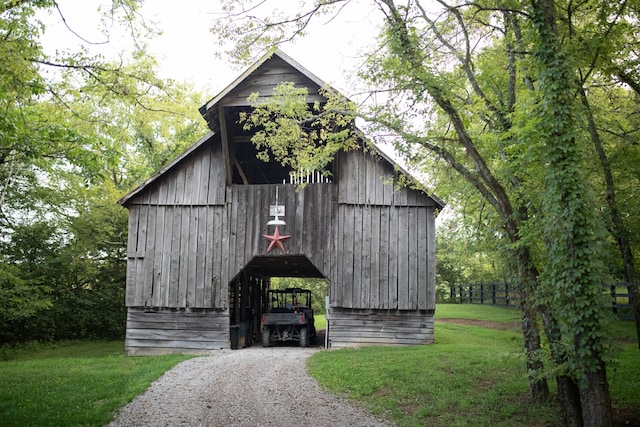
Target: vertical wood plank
(233, 234)
(363, 183)
(188, 181)
(196, 177)
(184, 256)
(238, 254)
(218, 285)
(132, 249)
(393, 259)
(192, 252)
(143, 221)
(208, 263)
(310, 217)
(400, 196)
(334, 249)
(423, 282)
(133, 230)
(170, 187)
(297, 242)
(389, 182)
(139, 269)
(180, 185)
(174, 272)
(352, 174)
(366, 258)
(403, 259)
(383, 257)
(226, 153)
(162, 193)
(431, 260)
(199, 261)
(374, 266)
(165, 281)
(356, 236)
(412, 237)
(153, 191)
(253, 222)
(158, 270)
(217, 173)
(130, 291)
(340, 176)
(377, 182)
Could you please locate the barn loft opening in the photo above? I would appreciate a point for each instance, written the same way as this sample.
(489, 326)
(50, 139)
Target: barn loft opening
(248, 169)
(248, 291)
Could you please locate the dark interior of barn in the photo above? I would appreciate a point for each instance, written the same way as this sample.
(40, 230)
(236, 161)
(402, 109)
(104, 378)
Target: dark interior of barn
(248, 292)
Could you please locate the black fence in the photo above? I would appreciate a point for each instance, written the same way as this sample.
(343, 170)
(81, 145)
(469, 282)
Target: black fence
(503, 294)
(500, 293)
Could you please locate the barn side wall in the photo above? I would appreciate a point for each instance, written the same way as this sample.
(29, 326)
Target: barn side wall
(167, 331)
(174, 243)
(356, 328)
(385, 239)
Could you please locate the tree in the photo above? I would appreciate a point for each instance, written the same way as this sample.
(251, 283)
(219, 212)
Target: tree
(77, 130)
(505, 79)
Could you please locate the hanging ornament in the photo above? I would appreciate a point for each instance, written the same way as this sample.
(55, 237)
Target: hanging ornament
(276, 240)
(277, 211)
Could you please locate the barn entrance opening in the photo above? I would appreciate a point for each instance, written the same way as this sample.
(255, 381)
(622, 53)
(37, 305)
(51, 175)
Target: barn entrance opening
(249, 289)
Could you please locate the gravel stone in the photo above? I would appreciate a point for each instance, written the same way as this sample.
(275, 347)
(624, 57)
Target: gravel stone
(250, 387)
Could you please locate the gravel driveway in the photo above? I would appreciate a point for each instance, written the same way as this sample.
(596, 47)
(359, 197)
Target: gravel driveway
(250, 387)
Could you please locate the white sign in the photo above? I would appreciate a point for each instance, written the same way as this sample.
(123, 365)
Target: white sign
(276, 210)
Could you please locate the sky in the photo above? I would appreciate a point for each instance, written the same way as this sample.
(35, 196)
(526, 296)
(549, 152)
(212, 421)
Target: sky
(187, 50)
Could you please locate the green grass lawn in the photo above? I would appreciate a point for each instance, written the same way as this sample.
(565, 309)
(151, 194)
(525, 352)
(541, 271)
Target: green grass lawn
(470, 376)
(73, 383)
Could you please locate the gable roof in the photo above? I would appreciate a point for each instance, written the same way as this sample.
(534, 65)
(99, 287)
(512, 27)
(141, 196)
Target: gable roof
(213, 102)
(209, 112)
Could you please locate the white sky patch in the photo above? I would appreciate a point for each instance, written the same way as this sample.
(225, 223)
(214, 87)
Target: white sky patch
(186, 51)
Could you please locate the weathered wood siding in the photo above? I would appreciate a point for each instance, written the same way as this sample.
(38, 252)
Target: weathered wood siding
(184, 255)
(354, 327)
(264, 80)
(385, 239)
(165, 331)
(309, 216)
(173, 237)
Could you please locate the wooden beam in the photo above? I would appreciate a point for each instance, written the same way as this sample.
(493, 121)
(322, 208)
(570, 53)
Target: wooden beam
(239, 166)
(226, 149)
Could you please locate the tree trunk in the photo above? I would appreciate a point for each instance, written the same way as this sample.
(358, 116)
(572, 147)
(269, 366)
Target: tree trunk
(538, 388)
(528, 276)
(570, 404)
(568, 391)
(569, 230)
(594, 395)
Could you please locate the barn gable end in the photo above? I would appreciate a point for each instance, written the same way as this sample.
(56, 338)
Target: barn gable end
(198, 262)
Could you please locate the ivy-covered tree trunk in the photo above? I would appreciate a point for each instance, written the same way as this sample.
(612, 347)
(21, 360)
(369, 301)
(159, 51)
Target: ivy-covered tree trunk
(528, 278)
(570, 280)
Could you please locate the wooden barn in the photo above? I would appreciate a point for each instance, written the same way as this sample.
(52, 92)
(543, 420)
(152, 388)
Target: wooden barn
(199, 256)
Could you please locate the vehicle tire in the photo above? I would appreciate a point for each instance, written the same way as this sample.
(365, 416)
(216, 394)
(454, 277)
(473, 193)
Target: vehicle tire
(304, 337)
(266, 342)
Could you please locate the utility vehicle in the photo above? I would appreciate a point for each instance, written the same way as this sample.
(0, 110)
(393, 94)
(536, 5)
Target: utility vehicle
(288, 317)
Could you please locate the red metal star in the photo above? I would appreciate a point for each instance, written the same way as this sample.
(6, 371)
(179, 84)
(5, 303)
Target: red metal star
(276, 240)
